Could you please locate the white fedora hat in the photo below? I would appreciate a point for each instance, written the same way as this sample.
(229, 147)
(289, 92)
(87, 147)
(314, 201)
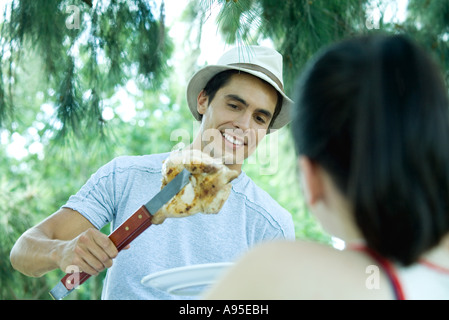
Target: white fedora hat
(262, 62)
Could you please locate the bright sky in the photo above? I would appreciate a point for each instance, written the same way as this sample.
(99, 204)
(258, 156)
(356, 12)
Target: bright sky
(211, 42)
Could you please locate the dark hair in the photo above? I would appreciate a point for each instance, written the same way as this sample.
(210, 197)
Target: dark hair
(221, 79)
(373, 112)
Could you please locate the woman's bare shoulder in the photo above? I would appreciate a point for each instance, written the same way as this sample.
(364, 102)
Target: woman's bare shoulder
(303, 270)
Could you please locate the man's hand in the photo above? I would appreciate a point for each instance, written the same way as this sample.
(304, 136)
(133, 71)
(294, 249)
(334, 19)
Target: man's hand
(64, 239)
(91, 251)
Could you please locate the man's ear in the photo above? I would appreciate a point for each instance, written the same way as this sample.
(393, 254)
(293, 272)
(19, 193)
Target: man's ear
(312, 179)
(202, 102)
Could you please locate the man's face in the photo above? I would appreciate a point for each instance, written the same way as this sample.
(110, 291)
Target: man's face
(237, 118)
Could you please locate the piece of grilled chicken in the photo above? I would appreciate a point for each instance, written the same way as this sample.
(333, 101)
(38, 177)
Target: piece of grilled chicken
(207, 191)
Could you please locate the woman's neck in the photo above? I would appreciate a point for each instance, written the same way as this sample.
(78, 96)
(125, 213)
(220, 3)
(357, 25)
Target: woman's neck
(439, 255)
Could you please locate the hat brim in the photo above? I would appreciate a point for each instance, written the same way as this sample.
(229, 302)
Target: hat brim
(202, 77)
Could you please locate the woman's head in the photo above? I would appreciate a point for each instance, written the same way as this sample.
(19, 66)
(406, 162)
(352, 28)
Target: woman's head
(373, 113)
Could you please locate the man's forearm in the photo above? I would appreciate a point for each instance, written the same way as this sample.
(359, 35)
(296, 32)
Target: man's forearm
(35, 254)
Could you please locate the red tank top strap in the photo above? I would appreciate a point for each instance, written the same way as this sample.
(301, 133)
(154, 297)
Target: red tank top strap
(389, 269)
(434, 267)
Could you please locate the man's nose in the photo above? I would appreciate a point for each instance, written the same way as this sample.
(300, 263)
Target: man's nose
(243, 121)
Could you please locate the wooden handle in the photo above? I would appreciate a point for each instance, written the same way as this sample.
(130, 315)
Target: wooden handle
(131, 228)
(121, 237)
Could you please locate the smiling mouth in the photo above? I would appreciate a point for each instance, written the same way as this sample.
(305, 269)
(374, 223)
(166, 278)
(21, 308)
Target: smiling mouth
(232, 139)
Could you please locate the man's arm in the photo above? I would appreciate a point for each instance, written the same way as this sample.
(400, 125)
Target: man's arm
(65, 238)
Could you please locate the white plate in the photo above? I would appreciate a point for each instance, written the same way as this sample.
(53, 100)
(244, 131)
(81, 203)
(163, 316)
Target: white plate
(188, 280)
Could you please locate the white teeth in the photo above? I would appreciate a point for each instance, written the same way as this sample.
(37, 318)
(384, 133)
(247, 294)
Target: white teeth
(231, 139)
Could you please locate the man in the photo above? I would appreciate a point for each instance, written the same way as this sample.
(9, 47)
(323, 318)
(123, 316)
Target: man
(237, 101)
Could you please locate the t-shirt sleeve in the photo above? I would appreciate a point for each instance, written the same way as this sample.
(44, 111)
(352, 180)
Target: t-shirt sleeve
(282, 228)
(96, 200)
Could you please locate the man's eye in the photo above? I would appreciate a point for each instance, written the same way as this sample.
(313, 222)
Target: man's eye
(261, 120)
(233, 106)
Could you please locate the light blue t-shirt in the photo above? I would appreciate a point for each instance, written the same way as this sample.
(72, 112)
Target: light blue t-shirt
(122, 186)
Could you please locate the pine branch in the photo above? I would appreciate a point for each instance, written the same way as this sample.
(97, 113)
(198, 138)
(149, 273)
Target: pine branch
(69, 106)
(125, 34)
(88, 2)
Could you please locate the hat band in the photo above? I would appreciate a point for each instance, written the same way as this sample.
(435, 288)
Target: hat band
(255, 67)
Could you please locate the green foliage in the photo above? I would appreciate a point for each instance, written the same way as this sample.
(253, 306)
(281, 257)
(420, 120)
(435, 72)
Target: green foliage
(429, 23)
(19, 206)
(298, 28)
(35, 21)
(87, 51)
